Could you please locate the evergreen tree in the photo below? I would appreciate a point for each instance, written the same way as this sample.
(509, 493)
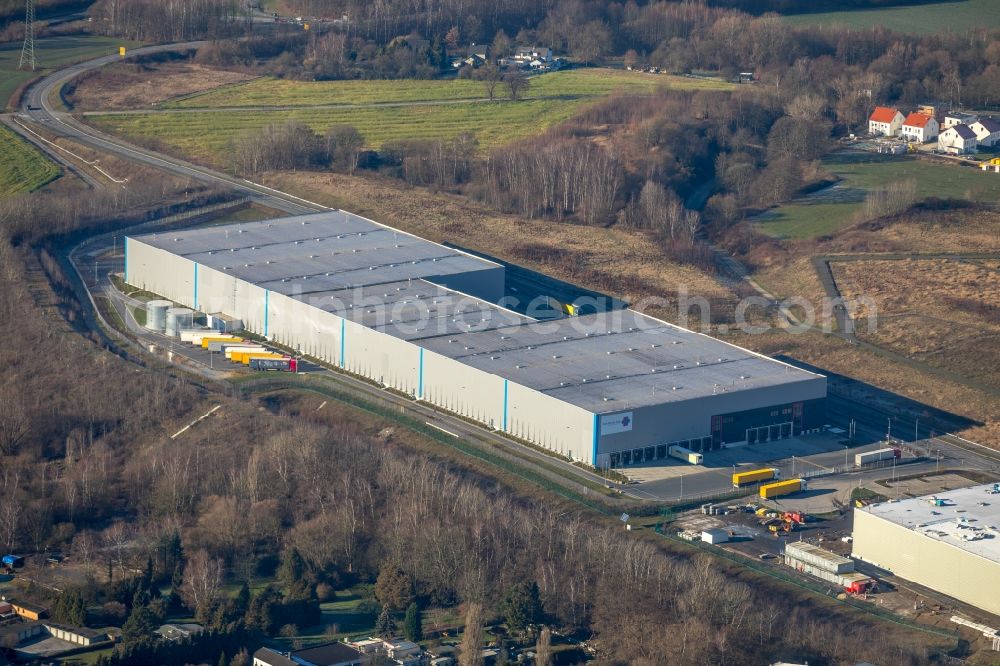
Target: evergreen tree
(222, 659)
(521, 607)
(291, 573)
(139, 626)
(413, 628)
(385, 626)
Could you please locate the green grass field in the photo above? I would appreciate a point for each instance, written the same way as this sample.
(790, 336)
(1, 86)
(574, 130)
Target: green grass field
(208, 135)
(923, 19)
(50, 53)
(826, 211)
(23, 167)
(573, 83)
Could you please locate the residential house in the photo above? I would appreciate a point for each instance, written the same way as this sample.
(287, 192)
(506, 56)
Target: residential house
(987, 132)
(953, 118)
(179, 632)
(992, 165)
(957, 140)
(525, 54)
(329, 654)
(403, 652)
(480, 51)
(885, 121)
(919, 127)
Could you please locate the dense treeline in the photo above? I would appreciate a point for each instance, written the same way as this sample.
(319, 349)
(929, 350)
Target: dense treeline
(165, 20)
(808, 6)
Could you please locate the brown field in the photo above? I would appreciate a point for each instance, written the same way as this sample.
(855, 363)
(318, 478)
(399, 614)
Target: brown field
(623, 263)
(945, 313)
(137, 86)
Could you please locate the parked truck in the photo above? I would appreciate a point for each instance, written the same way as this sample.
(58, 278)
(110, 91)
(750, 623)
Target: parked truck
(686, 455)
(252, 355)
(755, 476)
(877, 456)
(218, 337)
(285, 364)
(779, 488)
(241, 348)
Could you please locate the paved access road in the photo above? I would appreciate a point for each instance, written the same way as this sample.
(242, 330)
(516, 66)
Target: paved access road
(40, 108)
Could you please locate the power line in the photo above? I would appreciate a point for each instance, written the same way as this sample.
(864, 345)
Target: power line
(28, 50)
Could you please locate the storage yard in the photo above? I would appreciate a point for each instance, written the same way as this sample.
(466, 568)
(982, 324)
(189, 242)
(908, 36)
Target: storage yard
(606, 389)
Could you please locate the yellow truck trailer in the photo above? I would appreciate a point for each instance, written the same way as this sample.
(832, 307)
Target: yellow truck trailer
(772, 490)
(247, 357)
(219, 338)
(754, 476)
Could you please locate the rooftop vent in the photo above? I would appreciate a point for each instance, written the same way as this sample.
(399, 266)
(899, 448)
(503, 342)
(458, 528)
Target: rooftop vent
(676, 342)
(211, 251)
(519, 366)
(494, 358)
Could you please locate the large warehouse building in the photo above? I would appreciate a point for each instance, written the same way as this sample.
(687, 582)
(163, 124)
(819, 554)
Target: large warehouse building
(948, 542)
(611, 388)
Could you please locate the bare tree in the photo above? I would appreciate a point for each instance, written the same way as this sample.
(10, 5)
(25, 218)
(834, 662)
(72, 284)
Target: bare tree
(470, 652)
(517, 82)
(491, 76)
(14, 422)
(201, 582)
(543, 648)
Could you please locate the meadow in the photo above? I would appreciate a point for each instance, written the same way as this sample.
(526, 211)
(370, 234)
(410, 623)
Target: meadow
(208, 135)
(827, 210)
(920, 19)
(573, 83)
(23, 167)
(50, 53)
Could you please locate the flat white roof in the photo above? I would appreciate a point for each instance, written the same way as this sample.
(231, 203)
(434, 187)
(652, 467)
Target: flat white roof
(968, 518)
(391, 281)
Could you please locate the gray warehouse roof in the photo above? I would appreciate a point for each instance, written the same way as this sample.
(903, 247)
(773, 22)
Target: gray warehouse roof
(390, 281)
(969, 518)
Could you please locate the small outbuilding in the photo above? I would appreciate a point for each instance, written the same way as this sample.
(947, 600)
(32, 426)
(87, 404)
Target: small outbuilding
(714, 536)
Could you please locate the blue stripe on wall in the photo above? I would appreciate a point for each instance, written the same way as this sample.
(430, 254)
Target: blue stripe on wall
(420, 376)
(267, 302)
(505, 405)
(343, 333)
(126, 259)
(597, 427)
(196, 286)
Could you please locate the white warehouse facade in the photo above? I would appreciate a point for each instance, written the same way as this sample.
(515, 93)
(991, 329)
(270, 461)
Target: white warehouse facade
(610, 388)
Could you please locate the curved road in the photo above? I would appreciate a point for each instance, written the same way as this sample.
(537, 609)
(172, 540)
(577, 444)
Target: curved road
(38, 108)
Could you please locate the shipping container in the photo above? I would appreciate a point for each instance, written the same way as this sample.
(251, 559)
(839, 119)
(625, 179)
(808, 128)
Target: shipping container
(280, 364)
(876, 456)
(780, 488)
(819, 557)
(856, 582)
(755, 476)
(686, 455)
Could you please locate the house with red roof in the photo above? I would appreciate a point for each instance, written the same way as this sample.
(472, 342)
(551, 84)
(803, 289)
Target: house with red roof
(919, 127)
(885, 121)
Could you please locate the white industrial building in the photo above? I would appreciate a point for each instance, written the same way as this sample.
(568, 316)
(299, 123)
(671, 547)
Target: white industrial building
(948, 542)
(611, 388)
